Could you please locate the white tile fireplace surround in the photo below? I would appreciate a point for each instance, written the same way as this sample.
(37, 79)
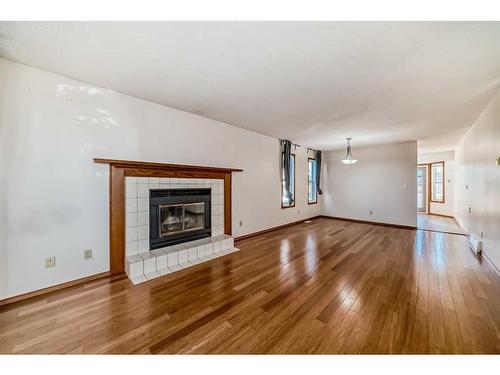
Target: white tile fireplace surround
(141, 264)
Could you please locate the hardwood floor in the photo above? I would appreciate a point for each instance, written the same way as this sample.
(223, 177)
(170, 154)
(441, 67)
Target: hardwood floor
(438, 224)
(326, 287)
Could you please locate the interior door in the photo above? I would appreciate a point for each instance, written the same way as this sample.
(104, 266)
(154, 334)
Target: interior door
(422, 189)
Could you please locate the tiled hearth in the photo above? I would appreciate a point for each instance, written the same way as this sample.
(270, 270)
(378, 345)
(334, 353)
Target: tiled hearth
(152, 264)
(141, 264)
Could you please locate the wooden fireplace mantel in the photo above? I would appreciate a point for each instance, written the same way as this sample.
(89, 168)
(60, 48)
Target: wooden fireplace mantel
(164, 166)
(119, 169)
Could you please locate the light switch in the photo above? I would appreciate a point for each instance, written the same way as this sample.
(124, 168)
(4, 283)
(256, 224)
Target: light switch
(87, 254)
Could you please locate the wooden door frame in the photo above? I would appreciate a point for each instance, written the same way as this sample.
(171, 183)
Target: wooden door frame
(119, 169)
(429, 184)
(428, 190)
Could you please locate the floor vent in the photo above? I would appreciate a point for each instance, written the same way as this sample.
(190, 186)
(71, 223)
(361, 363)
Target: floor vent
(475, 244)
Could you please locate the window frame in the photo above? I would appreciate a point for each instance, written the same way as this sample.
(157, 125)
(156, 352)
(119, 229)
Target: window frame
(316, 200)
(433, 184)
(292, 156)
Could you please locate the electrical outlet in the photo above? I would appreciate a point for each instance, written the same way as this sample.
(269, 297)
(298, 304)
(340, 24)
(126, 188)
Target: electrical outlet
(87, 254)
(371, 212)
(241, 223)
(50, 262)
(481, 234)
(298, 212)
(470, 210)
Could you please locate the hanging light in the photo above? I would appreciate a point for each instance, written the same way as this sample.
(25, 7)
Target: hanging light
(348, 158)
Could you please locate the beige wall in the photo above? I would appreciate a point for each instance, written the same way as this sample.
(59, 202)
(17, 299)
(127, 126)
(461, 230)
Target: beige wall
(382, 181)
(54, 199)
(478, 180)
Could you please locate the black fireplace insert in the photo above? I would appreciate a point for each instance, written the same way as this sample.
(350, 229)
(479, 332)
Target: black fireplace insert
(178, 215)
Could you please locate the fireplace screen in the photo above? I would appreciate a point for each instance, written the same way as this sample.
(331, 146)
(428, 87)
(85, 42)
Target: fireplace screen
(178, 215)
(179, 218)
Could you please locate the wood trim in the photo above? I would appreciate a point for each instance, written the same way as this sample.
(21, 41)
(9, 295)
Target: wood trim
(119, 169)
(294, 184)
(227, 204)
(144, 172)
(428, 179)
(152, 165)
(52, 289)
(449, 216)
(444, 182)
(316, 201)
(246, 236)
(429, 187)
(370, 222)
(116, 219)
(442, 231)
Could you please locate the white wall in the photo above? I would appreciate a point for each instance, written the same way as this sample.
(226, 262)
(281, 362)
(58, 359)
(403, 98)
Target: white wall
(54, 199)
(383, 181)
(478, 180)
(448, 207)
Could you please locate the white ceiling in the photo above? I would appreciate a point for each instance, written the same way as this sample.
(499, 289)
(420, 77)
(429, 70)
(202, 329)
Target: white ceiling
(312, 82)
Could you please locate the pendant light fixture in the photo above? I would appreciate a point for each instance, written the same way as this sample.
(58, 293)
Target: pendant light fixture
(348, 158)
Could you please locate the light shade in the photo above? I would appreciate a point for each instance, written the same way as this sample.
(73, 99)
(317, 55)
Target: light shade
(349, 161)
(348, 158)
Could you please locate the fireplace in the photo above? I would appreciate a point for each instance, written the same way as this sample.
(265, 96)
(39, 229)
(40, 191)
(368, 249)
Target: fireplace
(178, 215)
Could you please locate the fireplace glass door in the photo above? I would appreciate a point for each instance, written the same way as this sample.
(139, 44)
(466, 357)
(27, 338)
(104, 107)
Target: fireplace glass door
(178, 215)
(179, 218)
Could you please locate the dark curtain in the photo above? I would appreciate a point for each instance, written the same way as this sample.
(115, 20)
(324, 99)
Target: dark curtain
(318, 172)
(286, 147)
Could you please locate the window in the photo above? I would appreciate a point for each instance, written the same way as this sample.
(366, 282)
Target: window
(312, 192)
(284, 199)
(437, 182)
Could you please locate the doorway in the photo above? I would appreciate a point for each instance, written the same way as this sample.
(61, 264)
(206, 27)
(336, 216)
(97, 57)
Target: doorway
(423, 189)
(425, 219)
